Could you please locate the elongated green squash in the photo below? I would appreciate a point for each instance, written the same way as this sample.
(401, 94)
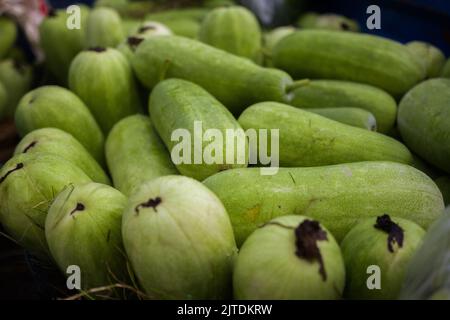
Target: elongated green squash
(336, 94)
(197, 14)
(112, 94)
(8, 34)
(424, 121)
(182, 105)
(349, 56)
(57, 107)
(135, 154)
(307, 139)
(431, 57)
(60, 143)
(312, 20)
(17, 78)
(234, 29)
(337, 196)
(104, 28)
(234, 81)
(184, 27)
(352, 116)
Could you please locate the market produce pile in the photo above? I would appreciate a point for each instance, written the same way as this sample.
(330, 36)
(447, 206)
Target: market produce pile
(363, 149)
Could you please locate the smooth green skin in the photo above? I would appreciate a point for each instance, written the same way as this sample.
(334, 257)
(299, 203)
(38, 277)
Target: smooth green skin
(104, 28)
(61, 44)
(197, 14)
(57, 107)
(8, 34)
(428, 275)
(184, 247)
(26, 194)
(271, 38)
(236, 81)
(91, 238)
(188, 28)
(115, 4)
(444, 185)
(327, 21)
(17, 79)
(337, 94)
(337, 196)
(446, 70)
(234, 29)
(365, 246)
(60, 143)
(432, 58)
(143, 31)
(3, 100)
(177, 104)
(355, 117)
(363, 58)
(267, 267)
(113, 95)
(135, 154)
(424, 121)
(308, 140)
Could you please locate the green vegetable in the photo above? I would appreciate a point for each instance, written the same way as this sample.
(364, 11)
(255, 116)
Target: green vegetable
(136, 154)
(176, 14)
(179, 240)
(384, 244)
(424, 121)
(327, 21)
(337, 94)
(354, 57)
(3, 100)
(355, 117)
(61, 44)
(17, 78)
(428, 275)
(338, 195)
(28, 185)
(52, 106)
(83, 228)
(103, 28)
(178, 104)
(112, 94)
(8, 34)
(271, 38)
(290, 257)
(234, 29)
(431, 57)
(184, 27)
(307, 139)
(59, 143)
(234, 81)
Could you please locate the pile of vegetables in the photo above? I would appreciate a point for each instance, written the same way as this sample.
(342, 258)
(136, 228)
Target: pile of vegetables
(364, 155)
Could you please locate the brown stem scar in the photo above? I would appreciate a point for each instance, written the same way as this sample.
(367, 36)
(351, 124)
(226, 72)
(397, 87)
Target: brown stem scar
(78, 207)
(151, 203)
(394, 231)
(97, 49)
(31, 145)
(17, 167)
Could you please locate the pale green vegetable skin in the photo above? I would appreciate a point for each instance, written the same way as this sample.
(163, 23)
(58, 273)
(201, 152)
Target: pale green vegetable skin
(16, 78)
(89, 235)
(52, 106)
(234, 29)
(337, 94)
(352, 116)
(61, 44)
(424, 121)
(327, 21)
(337, 196)
(354, 57)
(60, 143)
(27, 192)
(365, 246)
(8, 34)
(177, 104)
(267, 267)
(104, 28)
(431, 57)
(236, 82)
(113, 94)
(307, 139)
(135, 154)
(183, 247)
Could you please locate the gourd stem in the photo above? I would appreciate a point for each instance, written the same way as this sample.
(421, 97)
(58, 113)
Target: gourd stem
(297, 84)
